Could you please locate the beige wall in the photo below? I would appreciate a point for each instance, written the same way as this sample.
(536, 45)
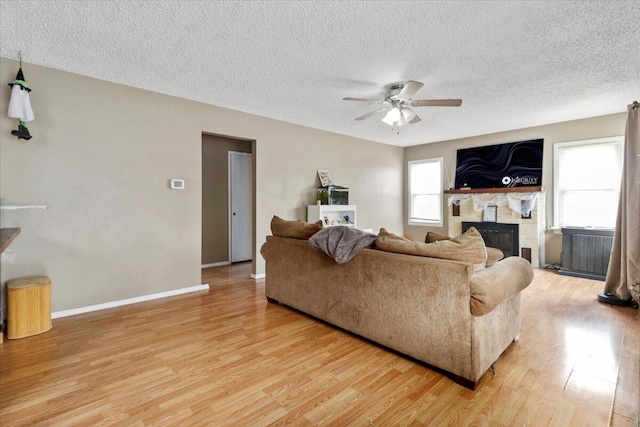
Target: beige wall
(215, 195)
(101, 158)
(596, 127)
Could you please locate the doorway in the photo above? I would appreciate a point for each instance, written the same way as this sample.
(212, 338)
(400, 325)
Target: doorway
(216, 223)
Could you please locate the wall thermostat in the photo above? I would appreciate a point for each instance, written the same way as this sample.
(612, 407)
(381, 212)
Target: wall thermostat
(177, 184)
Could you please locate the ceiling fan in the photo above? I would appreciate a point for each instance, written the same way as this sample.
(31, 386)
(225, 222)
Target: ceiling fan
(397, 101)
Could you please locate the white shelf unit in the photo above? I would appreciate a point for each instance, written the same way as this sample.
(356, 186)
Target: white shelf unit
(332, 214)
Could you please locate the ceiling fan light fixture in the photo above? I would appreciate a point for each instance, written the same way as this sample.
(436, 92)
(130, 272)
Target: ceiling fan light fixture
(392, 116)
(408, 114)
(398, 116)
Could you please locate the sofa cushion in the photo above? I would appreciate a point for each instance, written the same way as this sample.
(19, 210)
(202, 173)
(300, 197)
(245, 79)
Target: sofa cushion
(295, 229)
(468, 247)
(493, 255)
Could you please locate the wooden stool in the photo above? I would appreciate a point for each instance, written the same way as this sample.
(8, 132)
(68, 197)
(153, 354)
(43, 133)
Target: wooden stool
(28, 306)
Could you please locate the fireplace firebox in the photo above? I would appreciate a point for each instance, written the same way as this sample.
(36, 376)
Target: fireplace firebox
(497, 235)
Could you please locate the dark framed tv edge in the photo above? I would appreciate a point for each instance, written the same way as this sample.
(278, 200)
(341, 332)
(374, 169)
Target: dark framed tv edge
(508, 164)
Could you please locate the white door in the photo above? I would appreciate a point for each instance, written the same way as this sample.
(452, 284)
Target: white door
(240, 206)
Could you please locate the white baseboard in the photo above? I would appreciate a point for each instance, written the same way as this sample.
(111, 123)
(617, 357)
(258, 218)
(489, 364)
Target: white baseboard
(134, 300)
(258, 276)
(216, 264)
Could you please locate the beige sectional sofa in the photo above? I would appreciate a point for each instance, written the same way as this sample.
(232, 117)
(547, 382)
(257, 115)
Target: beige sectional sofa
(440, 312)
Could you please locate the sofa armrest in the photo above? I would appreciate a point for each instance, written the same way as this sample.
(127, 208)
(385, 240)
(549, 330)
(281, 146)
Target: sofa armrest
(500, 282)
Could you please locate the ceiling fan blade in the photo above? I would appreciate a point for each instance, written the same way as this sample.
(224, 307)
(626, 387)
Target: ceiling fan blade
(366, 116)
(363, 100)
(416, 119)
(410, 89)
(437, 103)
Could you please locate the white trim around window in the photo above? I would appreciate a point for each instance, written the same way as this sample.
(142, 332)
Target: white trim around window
(424, 192)
(586, 182)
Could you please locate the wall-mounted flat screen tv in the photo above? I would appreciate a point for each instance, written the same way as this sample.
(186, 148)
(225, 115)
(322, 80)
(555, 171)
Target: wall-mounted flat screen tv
(514, 164)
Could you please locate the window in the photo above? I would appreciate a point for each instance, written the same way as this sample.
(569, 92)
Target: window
(586, 182)
(425, 192)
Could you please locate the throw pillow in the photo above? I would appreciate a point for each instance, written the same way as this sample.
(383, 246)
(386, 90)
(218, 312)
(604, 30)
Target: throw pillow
(294, 229)
(493, 255)
(468, 247)
(435, 237)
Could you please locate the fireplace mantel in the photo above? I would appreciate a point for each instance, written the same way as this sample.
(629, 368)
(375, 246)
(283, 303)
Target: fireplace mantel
(519, 199)
(537, 189)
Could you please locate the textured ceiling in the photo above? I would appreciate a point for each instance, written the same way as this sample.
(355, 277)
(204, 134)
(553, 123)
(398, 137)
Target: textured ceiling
(515, 64)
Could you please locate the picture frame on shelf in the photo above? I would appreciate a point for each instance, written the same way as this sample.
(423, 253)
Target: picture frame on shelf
(325, 178)
(490, 214)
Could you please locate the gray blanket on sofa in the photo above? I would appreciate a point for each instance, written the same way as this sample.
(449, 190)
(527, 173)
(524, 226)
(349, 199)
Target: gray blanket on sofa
(340, 242)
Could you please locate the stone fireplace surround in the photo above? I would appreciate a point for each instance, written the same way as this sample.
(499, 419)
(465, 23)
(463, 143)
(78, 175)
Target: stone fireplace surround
(466, 203)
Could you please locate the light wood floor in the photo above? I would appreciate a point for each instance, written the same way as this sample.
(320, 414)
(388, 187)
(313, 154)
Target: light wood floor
(227, 357)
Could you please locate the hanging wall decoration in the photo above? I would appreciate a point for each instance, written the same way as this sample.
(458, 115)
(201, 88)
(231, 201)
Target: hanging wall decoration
(20, 105)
